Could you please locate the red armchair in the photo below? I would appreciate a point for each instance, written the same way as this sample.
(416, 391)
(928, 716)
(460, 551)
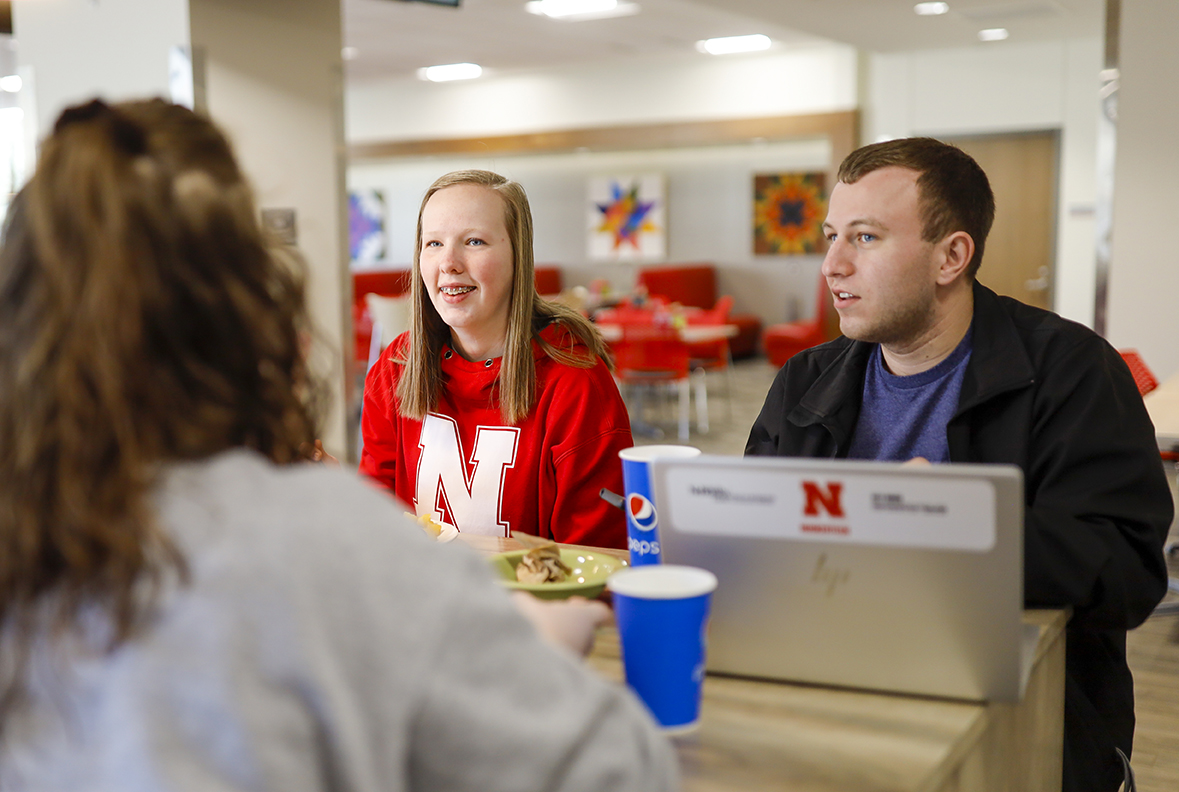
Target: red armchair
(783, 341)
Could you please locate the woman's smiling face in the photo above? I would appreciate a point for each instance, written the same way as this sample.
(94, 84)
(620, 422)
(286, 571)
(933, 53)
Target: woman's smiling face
(467, 266)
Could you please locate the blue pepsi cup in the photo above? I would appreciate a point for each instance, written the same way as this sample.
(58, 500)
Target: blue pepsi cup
(642, 518)
(662, 617)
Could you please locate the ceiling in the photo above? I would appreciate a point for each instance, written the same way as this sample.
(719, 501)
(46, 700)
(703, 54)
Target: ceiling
(393, 38)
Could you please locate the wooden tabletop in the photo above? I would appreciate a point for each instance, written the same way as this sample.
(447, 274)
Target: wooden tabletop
(757, 735)
(761, 735)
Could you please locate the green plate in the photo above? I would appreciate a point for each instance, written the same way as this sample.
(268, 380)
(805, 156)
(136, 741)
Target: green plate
(590, 570)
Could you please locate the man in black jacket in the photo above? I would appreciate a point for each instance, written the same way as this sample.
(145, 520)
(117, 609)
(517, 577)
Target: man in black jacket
(935, 366)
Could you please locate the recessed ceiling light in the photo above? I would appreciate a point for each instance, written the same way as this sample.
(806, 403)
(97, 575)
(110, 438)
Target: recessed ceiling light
(992, 34)
(580, 10)
(349, 53)
(931, 9)
(730, 45)
(450, 71)
(10, 84)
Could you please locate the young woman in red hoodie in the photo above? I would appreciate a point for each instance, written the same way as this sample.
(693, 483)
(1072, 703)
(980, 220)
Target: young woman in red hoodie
(496, 412)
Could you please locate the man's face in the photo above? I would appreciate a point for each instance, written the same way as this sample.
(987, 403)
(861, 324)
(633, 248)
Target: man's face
(882, 274)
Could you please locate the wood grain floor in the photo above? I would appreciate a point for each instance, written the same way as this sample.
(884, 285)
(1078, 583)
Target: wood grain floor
(1153, 651)
(1153, 648)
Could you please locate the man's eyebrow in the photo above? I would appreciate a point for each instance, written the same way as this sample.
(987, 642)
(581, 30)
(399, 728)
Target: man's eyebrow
(871, 222)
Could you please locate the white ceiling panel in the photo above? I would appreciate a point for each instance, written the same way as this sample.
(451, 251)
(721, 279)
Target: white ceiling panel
(394, 38)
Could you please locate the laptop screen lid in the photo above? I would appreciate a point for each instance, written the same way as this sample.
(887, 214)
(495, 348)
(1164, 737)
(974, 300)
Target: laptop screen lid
(859, 574)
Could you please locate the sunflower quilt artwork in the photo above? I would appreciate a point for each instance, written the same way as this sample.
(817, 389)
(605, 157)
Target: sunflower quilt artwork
(625, 218)
(788, 213)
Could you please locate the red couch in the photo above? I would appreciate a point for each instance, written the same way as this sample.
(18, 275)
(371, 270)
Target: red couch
(548, 280)
(695, 284)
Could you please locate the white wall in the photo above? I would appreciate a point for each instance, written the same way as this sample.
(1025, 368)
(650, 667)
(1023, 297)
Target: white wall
(1144, 271)
(1004, 87)
(692, 87)
(79, 49)
(273, 81)
(709, 213)
(1008, 87)
(709, 190)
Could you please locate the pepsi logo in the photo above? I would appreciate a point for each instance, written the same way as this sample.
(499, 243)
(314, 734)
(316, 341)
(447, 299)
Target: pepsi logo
(642, 512)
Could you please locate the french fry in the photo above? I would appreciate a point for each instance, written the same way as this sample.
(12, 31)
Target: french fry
(428, 523)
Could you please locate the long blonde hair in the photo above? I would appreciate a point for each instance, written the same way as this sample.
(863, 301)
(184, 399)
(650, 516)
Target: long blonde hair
(143, 319)
(420, 387)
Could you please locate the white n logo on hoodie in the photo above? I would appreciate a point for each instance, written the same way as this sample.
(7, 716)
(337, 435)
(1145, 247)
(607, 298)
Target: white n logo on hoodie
(470, 501)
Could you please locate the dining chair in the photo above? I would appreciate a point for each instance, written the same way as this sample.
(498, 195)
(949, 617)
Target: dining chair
(650, 356)
(1143, 377)
(706, 356)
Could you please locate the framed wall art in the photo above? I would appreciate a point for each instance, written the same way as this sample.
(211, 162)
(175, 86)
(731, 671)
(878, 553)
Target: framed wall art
(366, 226)
(788, 213)
(626, 218)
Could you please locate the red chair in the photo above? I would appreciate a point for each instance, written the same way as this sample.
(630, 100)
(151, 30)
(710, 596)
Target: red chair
(705, 356)
(650, 355)
(1143, 377)
(695, 284)
(784, 341)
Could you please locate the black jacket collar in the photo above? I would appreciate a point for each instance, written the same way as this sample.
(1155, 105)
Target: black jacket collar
(998, 363)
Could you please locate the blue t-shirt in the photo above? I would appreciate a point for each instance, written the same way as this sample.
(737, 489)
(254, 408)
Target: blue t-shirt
(906, 417)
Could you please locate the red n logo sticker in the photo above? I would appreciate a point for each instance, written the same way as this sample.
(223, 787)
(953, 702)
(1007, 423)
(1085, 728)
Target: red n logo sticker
(828, 499)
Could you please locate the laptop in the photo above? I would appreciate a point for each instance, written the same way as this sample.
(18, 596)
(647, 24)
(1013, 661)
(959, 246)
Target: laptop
(858, 574)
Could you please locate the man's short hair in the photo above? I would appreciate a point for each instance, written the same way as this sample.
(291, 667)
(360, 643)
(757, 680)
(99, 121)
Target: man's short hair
(953, 192)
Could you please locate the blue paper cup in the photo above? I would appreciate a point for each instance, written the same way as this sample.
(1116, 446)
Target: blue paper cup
(642, 518)
(662, 617)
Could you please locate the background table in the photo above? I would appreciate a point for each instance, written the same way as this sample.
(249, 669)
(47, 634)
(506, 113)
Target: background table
(690, 334)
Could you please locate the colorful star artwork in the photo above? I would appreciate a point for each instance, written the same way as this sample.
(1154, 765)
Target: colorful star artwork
(625, 218)
(366, 226)
(788, 213)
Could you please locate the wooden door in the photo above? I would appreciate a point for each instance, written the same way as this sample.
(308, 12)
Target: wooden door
(1019, 260)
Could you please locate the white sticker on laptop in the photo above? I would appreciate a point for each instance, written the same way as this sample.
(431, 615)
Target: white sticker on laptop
(895, 511)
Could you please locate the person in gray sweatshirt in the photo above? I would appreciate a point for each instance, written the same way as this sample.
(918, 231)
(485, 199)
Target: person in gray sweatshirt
(186, 605)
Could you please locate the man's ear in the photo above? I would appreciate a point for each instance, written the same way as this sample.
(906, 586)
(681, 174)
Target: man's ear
(957, 250)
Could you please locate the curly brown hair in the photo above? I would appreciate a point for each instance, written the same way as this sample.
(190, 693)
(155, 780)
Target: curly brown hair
(144, 318)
